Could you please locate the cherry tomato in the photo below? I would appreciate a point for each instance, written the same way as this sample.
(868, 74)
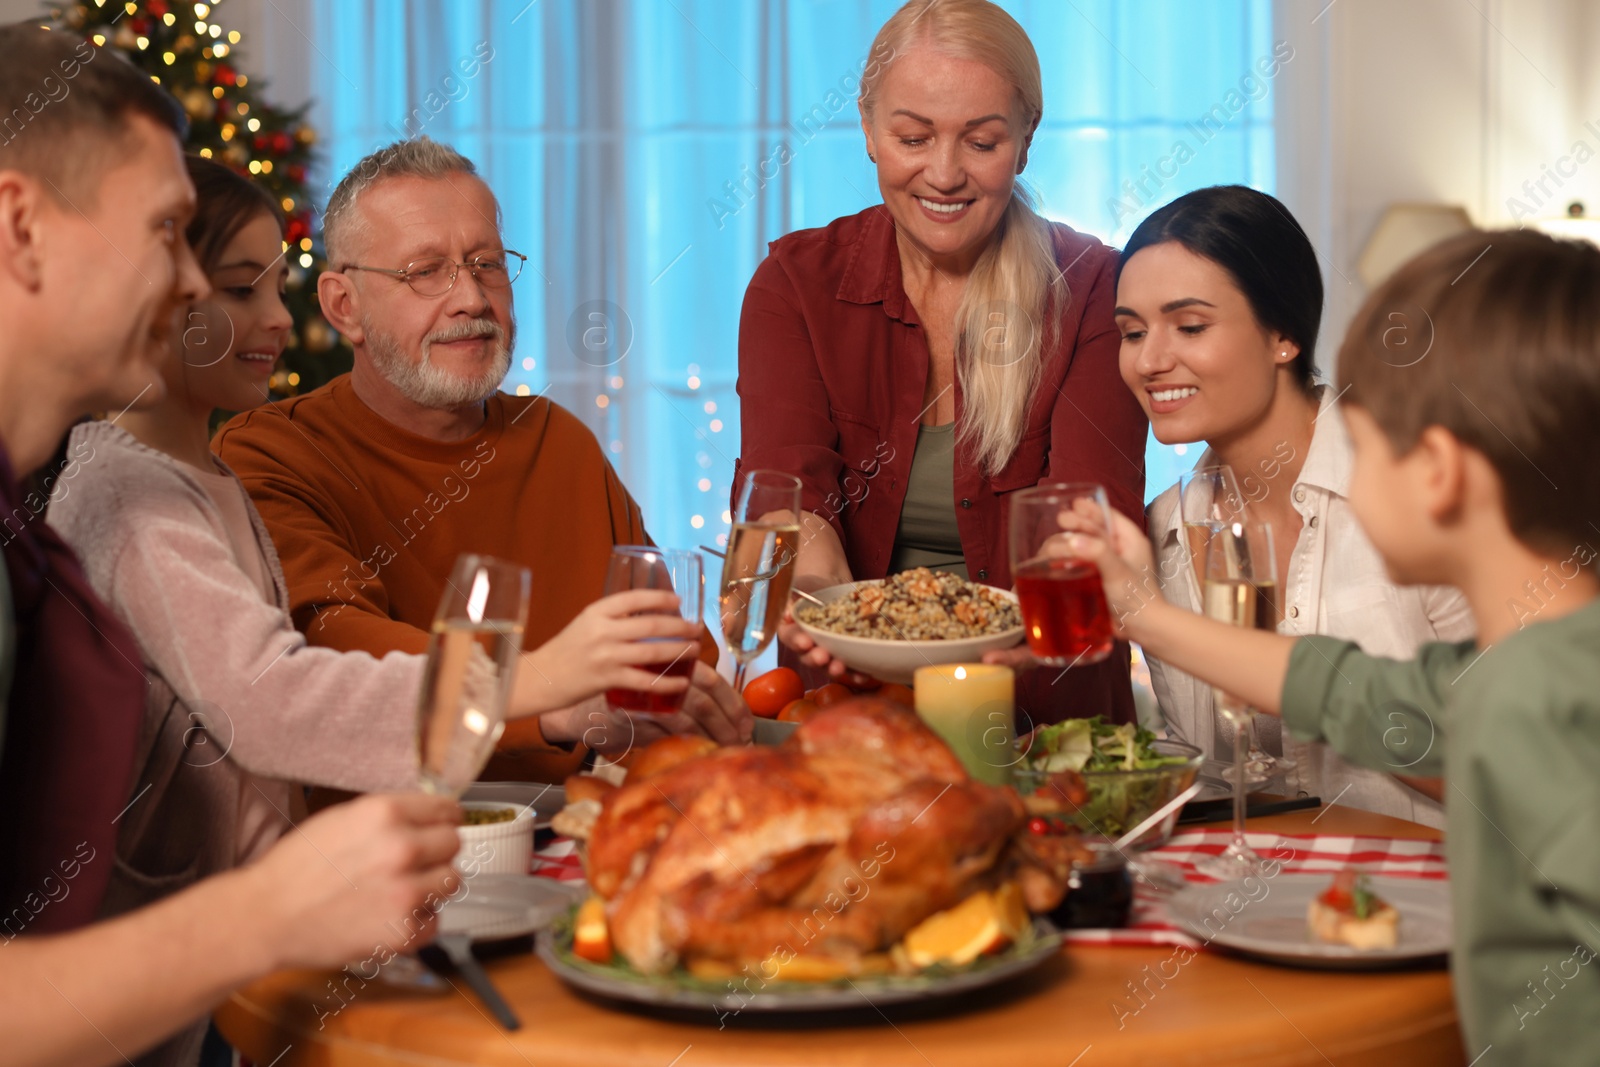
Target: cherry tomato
(832, 693)
(1037, 825)
(798, 710)
(770, 693)
(899, 694)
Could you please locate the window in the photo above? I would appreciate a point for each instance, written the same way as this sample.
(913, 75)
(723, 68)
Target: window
(645, 151)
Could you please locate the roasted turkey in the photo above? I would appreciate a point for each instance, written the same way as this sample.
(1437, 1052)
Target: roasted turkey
(834, 844)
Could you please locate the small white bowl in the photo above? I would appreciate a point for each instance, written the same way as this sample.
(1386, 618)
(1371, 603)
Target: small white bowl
(889, 660)
(496, 847)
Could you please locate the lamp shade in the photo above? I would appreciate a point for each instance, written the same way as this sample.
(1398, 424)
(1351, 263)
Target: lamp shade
(1402, 232)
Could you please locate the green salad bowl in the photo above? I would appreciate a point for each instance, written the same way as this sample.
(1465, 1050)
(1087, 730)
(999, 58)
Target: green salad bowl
(1120, 800)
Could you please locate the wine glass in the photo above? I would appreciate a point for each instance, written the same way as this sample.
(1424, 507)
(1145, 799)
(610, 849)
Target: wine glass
(1241, 589)
(759, 566)
(1210, 499)
(472, 658)
(682, 572)
(1063, 602)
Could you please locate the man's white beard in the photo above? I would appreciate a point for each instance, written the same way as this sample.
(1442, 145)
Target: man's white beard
(429, 386)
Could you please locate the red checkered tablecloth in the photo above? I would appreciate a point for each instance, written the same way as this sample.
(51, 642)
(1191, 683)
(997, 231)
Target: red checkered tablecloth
(558, 860)
(1148, 925)
(1297, 853)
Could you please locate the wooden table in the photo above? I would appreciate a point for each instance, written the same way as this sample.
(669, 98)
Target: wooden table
(1216, 1009)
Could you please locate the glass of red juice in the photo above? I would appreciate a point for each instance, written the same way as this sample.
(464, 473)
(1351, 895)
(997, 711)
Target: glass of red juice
(1064, 610)
(681, 572)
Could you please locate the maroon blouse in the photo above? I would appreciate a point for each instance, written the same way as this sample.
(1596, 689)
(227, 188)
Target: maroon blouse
(833, 366)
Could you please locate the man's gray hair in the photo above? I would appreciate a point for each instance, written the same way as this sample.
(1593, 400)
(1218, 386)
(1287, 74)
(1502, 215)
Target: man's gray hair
(414, 157)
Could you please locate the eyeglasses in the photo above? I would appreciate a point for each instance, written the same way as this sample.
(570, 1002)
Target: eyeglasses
(436, 275)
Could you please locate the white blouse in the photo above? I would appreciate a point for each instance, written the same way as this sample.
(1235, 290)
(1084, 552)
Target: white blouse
(1336, 585)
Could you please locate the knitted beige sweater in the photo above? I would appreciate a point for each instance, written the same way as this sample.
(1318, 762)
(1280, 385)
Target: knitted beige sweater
(234, 688)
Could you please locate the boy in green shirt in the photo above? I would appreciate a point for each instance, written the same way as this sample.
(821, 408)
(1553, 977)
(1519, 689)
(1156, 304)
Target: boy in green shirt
(1471, 384)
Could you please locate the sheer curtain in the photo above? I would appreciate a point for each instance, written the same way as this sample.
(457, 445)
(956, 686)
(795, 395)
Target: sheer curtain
(645, 151)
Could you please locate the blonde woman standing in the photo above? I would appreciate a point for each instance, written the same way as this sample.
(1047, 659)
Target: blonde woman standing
(918, 362)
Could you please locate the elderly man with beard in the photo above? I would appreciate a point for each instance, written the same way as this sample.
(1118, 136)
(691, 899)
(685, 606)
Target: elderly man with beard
(374, 483)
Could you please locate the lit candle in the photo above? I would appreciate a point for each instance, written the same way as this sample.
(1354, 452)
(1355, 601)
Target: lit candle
(970, 706)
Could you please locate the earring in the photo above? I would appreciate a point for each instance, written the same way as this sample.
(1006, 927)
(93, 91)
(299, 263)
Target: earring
(872, 158)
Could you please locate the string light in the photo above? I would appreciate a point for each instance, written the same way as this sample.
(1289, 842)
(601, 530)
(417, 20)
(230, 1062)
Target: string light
(233, 36)
(220, 50)
(255, 166)
(169, 18)
(215, 30)
(200, 26)
(716, 425)
(305, 244)
(142, 42)
(523, 390)
(205, 153)
(694, 381)
(294, 378)
(704, 485)
(288, 205)
(602, 401)
(616, 446)
(244, 109)
(527, 363)
(697, 521)
(100, 40)
(202, 10)
(227, 131)
(168, 58)
(254, 124)
(305, 259)
(616, 383)
(217, 92)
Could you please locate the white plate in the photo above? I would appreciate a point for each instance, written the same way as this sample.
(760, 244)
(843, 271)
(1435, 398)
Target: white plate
(1273, 925)
(494, 906)
(896, 661)
(545, 800)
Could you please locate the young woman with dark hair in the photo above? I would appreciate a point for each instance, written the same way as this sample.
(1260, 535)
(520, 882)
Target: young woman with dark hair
(1219, 299)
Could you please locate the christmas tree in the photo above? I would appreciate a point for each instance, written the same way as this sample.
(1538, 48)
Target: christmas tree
(189, 53)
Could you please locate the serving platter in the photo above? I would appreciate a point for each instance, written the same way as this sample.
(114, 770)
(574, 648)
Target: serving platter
(740, 994)
(1272, 926)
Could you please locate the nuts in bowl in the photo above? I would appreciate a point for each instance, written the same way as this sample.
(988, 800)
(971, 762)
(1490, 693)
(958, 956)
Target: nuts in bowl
(889, 627)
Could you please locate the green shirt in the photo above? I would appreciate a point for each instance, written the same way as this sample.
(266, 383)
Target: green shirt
(1516, 732)
(927, 535)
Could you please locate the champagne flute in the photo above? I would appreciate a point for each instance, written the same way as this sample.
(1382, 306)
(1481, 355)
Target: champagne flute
(1210, 499)
(472, 658)
(759, 566)
(1062, 600)
(1240, 589)
(682, 572)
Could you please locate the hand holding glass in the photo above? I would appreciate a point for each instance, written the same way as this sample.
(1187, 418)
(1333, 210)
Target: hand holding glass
(1063, 602)
(472, 657)
(681, 572)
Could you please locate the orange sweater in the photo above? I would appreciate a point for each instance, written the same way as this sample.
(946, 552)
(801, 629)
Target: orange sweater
(369, 518)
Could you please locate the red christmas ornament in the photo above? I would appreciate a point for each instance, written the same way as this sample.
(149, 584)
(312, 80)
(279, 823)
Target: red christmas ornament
(226, 75)
(282, 143)
(299, 229)
(140, 27)
(158, 8)
(260, 142)
(297, 173)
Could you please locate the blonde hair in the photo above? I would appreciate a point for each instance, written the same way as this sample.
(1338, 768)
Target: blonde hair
(999, 343)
